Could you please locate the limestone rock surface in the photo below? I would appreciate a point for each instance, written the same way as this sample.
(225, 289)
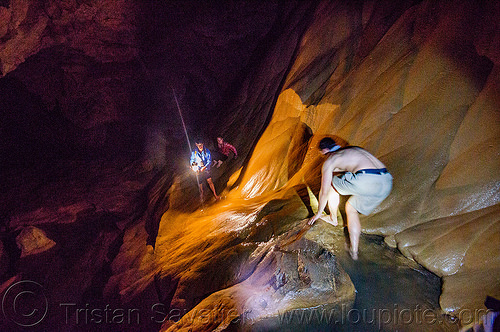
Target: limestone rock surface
(417, 83)
(424, 100)
(301, 277)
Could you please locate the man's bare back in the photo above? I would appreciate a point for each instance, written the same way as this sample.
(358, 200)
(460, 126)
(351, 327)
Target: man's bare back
(351, 159)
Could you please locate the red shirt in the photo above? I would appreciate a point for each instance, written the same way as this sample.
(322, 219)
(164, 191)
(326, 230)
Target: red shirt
(225, 148)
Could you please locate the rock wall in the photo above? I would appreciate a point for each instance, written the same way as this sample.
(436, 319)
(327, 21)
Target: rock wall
(422, 95)
(417, 83)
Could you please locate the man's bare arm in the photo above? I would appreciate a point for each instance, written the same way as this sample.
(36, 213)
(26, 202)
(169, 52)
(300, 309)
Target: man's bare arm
(326, 183)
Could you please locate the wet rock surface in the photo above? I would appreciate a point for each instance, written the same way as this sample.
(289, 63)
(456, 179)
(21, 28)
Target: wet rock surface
(414, 82)
(301, 276)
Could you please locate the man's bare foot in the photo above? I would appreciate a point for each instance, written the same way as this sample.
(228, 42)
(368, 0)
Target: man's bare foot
(354, 254)
(331, 221)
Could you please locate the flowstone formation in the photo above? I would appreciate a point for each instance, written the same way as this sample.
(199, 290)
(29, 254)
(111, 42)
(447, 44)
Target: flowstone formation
(423, 97)
(424, 100)
(417, 83)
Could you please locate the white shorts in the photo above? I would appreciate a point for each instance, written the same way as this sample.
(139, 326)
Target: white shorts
(367, 190)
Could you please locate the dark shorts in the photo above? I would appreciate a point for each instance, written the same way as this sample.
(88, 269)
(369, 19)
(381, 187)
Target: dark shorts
(203, 176)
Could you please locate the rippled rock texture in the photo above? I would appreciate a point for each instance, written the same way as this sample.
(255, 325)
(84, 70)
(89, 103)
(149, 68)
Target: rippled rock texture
(423, 97)
(417, 83)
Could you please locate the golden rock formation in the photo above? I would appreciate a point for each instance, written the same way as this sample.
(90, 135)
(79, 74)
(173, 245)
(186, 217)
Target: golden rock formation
(425, 101)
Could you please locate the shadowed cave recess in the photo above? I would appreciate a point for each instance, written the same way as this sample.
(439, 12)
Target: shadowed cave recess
(101, 222)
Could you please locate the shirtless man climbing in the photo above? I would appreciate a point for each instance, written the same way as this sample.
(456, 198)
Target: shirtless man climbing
(364, 177)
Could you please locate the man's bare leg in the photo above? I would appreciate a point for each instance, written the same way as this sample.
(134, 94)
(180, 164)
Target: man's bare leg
(354, 227)
(333, 204)
(211, 185)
